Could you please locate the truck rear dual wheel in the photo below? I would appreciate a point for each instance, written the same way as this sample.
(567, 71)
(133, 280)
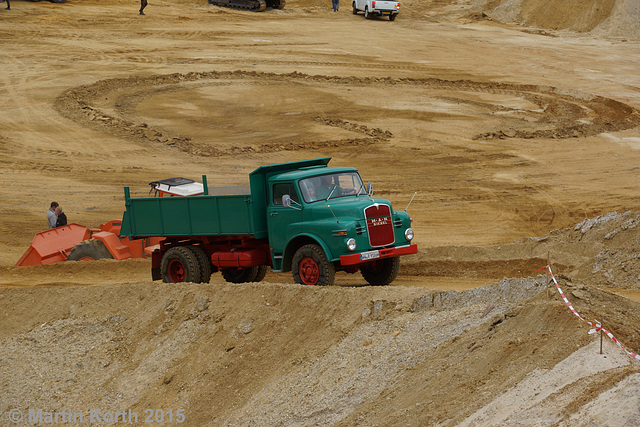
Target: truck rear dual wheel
(310, 266)
(367, 14)
(262, 272)
(180, 264)
(244, 275)
(381, 272)
(203, 262)
(89, 250)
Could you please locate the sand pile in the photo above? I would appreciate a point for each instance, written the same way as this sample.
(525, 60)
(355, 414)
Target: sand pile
(617, 18)
(275, 353)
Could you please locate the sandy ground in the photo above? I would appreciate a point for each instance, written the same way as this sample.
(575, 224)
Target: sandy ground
(516, 122)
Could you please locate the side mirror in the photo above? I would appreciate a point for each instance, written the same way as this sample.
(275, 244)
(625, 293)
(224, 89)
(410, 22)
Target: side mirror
(369, 188)
(288, 202)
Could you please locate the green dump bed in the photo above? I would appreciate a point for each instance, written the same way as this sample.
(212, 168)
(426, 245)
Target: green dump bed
(189, 216)
(238, 210)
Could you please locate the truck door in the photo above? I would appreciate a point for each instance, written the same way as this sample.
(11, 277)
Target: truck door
(280, 218)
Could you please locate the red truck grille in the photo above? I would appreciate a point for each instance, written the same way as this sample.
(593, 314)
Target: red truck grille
(379, 225)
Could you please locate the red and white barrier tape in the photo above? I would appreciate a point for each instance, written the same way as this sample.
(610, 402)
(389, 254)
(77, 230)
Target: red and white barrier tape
(597, 326)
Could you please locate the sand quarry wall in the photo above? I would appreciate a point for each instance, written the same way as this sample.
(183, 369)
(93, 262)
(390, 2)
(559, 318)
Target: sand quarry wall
(616, 18)
(283, 354)
(273, 354)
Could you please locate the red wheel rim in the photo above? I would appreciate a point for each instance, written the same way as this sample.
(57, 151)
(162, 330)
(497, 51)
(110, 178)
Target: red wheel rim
(176, 271)
(86, 258)
(309, 271)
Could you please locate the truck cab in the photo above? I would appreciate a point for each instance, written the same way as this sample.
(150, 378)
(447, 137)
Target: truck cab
(323, 219)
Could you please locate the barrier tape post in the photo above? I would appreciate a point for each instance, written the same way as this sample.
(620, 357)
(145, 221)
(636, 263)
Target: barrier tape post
(601, 335)
(546, 284)
(597, 326)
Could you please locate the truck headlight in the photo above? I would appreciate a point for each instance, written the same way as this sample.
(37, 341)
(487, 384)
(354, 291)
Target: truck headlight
(351, 244)
(408, 234)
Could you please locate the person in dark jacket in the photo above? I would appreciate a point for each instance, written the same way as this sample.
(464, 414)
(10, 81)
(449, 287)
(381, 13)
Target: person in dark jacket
(62, 218)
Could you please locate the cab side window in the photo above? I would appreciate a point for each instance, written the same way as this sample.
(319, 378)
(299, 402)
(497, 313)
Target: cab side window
(281, 189)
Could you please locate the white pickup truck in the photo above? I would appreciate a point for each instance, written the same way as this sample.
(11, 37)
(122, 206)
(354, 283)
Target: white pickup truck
(372, 8)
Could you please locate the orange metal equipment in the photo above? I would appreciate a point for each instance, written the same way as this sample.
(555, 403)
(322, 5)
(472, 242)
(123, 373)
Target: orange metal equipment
(54, 245)
(121, 247)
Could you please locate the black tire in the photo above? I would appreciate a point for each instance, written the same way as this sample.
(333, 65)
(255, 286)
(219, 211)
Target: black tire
(392, 17)
(203, 262)
(89, 250)
(355, 11)
(381, 272)
(310, 266)
(367, 15)
(180, 264)
(262, 272)
(240, 275)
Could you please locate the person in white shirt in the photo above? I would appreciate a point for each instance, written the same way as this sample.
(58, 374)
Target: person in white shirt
(52, 218)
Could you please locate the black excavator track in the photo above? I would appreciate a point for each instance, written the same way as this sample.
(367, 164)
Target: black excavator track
(254, 5)
(275, 4)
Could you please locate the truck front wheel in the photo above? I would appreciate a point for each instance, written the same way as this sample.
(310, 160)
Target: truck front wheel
(180, 264)
(381, 272)
(243, 275)
(310, 266)
(89, 250)
(355, 9)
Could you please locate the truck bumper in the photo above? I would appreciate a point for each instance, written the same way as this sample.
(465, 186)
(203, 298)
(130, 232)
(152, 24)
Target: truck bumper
(359, 258)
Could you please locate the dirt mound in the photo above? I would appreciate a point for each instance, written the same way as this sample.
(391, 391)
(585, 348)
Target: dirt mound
(274, 353)
(600, 250)
(618, 18)
(594, 261)
(337, 349)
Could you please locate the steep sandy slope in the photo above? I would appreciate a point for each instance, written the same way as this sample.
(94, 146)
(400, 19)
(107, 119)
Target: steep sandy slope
(617, 18)
(270, 353)
(602, 18)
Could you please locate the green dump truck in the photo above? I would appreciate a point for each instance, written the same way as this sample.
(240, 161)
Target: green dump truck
(303, 217)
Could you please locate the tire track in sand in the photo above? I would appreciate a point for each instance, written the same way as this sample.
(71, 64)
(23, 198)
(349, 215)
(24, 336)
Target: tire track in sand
(562, 114)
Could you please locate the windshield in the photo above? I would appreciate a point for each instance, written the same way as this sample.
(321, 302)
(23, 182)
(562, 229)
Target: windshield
(331, 186)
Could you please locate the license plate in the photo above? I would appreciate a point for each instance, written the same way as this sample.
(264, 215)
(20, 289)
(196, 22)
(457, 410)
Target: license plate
(369, 255)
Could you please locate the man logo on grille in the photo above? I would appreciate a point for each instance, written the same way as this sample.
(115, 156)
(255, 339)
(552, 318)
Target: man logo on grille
(378, 221)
